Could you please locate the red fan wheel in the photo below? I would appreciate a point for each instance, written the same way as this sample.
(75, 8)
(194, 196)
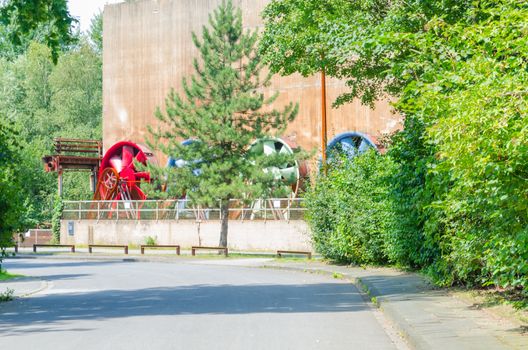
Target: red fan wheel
(119, 179)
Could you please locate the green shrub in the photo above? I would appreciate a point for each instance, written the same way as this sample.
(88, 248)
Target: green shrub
(457, 74)
(150, 240)
(349, 211)
(7, 295)
(56, 217)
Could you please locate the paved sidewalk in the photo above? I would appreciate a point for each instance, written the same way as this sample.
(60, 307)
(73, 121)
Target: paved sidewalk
(427, 317)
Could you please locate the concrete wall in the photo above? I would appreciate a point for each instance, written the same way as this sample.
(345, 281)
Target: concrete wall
(148, 50)
(243, 235)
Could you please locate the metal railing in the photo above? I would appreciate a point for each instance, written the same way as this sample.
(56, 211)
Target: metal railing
(262, 209)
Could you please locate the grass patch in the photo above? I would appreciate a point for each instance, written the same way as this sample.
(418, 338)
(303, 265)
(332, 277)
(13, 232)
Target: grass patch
(4, 275)
(251, 255)
(515, 297)
(295, 258)
(337, 275)
(507, 303)
(365, 289)
(490, 297)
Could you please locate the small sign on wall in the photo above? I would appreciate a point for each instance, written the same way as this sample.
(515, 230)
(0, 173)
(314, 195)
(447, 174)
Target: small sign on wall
(70, 228)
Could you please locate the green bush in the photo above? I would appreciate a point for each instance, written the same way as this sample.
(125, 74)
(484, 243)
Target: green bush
(58, 207)
(349, 210)
(149, 240)
(457, 74)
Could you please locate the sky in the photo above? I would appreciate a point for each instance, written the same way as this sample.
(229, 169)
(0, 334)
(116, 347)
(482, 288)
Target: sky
(84, 10)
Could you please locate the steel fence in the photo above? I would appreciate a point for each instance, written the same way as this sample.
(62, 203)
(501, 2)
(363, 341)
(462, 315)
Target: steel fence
(262, 209)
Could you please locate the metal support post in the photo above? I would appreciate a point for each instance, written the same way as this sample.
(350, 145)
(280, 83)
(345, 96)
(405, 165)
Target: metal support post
(59, 182)
(323, 118)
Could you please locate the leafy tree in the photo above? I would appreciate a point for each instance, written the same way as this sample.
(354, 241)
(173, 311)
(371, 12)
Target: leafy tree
(43, 100)
(224, 110)
(293, 40)
(48, 20)
(38, 101)
(76, 93)
(366, 42)
(11, 188)
(58, 207)
(457, 72)
(95, 33)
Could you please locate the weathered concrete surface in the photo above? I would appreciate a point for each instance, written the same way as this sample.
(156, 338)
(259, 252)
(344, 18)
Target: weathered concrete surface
(243, 235)
(148, 50)
(116, 305)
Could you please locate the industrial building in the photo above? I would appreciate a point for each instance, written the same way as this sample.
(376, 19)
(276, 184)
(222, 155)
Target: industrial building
(148, 50)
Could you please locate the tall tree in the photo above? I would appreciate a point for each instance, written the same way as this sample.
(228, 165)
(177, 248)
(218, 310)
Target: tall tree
(95, 34)
(225, 111)
(10, 186)
(43, 100)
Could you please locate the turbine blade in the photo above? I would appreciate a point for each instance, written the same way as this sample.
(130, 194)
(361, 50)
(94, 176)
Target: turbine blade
(116, 163)
(127, 155)
(284, 150)
(257, 148)
(141, 158)
(289, 174)
(347, 141)
(363, 146)
(269, 148)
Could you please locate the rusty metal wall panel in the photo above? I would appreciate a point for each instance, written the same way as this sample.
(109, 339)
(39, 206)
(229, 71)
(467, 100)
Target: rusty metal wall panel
(148, 50)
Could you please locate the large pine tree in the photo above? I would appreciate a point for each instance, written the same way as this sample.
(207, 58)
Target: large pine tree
(225, 110)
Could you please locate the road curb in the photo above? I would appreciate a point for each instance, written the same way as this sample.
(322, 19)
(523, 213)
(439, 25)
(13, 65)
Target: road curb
(414, 340)
(42, 286)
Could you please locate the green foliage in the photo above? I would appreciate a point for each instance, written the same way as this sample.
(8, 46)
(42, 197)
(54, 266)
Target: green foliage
(479, 104)
(40, 100)
(224, 110)
(96, 32)
(293, 40)
(4, 275)
(149, 240)
(11, 188)
(7, 295)
(58, 207)
(338, 275)
(44, 101)
(45, 21)
(412, 190)
(457, 72)
(349, 210)
(369, 43)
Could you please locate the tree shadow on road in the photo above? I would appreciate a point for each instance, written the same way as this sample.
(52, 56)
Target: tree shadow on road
(46, 310)
(25, 264)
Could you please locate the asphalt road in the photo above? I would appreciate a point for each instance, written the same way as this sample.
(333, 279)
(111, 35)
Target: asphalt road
(184, 305)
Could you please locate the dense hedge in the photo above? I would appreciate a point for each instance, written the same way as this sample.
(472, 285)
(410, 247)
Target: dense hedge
(349, 210)
(457, 71)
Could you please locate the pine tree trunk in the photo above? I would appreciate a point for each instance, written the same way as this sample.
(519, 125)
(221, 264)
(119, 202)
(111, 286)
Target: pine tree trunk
(224, 212)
